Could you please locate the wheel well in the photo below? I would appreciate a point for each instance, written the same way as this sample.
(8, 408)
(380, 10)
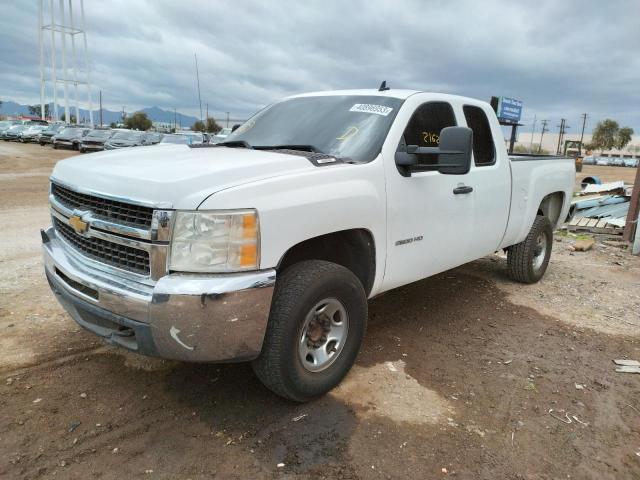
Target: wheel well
(551, 207)
(353, 249)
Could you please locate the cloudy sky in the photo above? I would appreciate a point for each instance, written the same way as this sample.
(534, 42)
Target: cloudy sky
(559, 58)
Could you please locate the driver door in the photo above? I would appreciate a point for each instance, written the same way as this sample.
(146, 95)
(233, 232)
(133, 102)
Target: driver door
(428, 225)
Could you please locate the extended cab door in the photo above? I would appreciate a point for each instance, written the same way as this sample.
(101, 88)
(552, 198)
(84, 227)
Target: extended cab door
(490, 177)
(434, 221)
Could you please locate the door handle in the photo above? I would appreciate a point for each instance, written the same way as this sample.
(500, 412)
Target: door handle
(462, 190)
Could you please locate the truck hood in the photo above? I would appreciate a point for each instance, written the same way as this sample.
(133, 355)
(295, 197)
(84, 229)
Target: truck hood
(175, 176)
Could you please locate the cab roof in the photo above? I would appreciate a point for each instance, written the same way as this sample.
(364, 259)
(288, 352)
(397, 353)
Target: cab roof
(392, 92)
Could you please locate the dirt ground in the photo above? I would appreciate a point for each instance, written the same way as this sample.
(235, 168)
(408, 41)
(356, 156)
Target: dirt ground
(607, 174)
(464, 375)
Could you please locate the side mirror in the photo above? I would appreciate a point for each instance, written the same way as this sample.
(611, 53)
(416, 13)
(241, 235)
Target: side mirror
(454, 154)
(456, 146)
(235, 127)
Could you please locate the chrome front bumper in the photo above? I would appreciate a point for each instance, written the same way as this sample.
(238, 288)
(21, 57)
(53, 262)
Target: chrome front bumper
(188, 317)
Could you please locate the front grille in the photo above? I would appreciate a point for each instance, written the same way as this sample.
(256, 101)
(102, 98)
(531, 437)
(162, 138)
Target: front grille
(112, 210)
(114, 254)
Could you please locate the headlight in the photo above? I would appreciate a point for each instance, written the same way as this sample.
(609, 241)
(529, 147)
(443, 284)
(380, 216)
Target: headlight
(223, 241)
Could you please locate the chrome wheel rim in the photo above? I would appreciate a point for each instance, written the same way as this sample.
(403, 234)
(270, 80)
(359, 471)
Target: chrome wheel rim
(324, 334)
(540, 251)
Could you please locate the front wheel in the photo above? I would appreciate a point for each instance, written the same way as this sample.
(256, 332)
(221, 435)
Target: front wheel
(316, 325)
(528, 260)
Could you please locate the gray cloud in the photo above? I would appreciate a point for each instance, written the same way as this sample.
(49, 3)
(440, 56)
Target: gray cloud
(560, 58)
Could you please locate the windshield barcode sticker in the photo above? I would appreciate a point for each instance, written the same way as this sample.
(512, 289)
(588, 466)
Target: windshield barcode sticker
(368, 108)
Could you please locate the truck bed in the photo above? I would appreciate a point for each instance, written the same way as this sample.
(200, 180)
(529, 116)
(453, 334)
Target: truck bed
(534, 177)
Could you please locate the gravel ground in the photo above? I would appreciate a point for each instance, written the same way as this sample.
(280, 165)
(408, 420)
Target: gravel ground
(465, 374)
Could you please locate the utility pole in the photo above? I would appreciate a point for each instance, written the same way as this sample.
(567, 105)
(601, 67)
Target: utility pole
(631, 226)
(65, 72)
(175, 116)
(73, 61)
(123, 113)
(560, 135)
(100, 107)
(198, 79)
(544, 129)
(584, 121)
(532, 131)
(207, 111)
(227, 119)
(563, 127)
(54, 81)
(86, 64)
(41, 44)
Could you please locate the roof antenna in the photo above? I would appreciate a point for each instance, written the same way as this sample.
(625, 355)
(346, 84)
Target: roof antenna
(383, 86)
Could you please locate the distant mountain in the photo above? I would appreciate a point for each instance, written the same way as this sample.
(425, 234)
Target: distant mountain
(13, 108)
(156, 114)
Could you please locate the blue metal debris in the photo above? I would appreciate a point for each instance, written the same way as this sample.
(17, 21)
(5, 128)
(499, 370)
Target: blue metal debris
(603, 211)
(597, 202)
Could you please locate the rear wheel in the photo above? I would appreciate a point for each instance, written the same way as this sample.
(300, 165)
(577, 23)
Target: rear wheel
(316, 325)
(528, 260)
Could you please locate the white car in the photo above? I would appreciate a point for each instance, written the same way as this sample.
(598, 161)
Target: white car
(221, 135)
(267, 248)
(182, 138)
(30, 134)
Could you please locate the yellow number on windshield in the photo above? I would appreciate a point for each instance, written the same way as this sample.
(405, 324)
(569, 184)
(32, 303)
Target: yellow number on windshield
(350, 132)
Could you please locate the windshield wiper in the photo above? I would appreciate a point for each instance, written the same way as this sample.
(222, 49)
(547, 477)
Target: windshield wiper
(301, 148)
(235, 144)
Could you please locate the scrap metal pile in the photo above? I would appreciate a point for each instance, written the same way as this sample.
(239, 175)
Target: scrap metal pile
(600, 207)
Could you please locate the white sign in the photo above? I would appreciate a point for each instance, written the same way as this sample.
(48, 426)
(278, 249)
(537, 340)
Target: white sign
(368, 108)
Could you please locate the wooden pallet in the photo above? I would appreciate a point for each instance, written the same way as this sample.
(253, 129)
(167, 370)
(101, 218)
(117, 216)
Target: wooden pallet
(593, 225)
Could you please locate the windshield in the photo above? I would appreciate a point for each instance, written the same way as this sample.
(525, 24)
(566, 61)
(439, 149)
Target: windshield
(195, 137)
(181, 139)
(71, 131)
(127, 136)
(346, 126)
(99, 134)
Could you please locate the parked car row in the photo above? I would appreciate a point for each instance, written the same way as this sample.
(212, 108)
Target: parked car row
(611, 161)
(85, 139)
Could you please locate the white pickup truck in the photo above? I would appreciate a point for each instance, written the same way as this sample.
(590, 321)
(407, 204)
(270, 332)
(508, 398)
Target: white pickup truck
(266, 247)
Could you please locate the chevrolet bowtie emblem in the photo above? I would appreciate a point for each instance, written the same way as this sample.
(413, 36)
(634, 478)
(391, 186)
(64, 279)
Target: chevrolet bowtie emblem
(78, 225)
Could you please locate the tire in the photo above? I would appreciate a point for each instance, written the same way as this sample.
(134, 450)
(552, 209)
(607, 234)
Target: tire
(298, 297)
(528, 260)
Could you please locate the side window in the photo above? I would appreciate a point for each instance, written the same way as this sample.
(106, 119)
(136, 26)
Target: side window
(484, 152)
(424, 128)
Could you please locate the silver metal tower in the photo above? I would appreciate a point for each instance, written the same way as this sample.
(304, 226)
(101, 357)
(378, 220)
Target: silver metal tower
(64, 29)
